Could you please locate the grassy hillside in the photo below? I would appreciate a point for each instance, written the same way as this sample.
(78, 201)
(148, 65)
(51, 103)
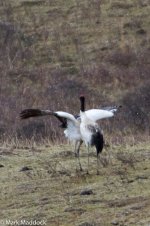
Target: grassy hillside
(50, 189)
(51, 51)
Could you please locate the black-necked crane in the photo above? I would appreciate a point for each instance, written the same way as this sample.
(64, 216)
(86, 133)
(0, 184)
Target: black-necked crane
(90, 132)
(71, 123)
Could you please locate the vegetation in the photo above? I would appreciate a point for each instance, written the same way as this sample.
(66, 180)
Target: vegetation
(51, 51)
(41, 183)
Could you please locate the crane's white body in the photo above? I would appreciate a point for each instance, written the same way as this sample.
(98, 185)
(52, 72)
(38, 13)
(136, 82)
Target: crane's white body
(72, 132)
(74, 129)
(90, 130)
(85, 125)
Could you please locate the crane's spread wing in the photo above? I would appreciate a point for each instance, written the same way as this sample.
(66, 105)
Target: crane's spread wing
(112, 109)
(66, 115)
(97, 114)
(68, 121)
(72, 131)
(28, 113)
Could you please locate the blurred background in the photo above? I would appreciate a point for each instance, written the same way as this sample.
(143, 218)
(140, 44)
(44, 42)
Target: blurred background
(52, 51)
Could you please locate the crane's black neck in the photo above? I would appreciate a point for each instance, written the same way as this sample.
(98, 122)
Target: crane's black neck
(82, 101)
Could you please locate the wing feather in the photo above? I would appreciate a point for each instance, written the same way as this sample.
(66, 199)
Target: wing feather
(97, 114)
(27, 113)
(63, 117)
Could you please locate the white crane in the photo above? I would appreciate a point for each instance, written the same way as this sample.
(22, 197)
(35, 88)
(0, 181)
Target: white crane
(71, 123)
(90, 131)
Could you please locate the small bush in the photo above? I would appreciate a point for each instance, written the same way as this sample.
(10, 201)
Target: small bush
(122, 58)
(137, 109)
(121, 5)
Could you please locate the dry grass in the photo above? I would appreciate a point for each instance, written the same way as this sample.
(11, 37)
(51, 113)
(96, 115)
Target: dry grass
(51, 51)
(51, 188)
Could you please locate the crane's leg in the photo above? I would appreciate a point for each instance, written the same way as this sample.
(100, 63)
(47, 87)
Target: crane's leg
(88, 159)
(77, 150)
(98, 158)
